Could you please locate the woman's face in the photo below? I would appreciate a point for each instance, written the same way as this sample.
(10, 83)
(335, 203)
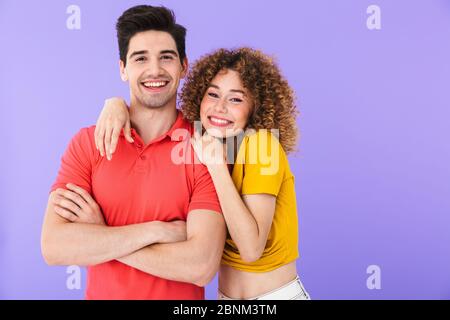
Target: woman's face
(226, 105)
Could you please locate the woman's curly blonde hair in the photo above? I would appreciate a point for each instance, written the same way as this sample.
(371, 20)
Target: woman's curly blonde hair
(273, 98)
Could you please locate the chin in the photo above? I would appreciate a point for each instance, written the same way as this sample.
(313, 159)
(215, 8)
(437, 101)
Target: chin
(216, 132)
(223, 133)
(153, 103)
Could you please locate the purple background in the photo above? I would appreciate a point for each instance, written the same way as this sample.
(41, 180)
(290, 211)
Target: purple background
(372, 173)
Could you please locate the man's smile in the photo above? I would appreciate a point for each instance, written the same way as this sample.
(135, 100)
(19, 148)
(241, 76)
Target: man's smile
(154, 85)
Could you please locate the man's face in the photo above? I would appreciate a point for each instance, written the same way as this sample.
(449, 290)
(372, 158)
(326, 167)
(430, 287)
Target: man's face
(153, 69)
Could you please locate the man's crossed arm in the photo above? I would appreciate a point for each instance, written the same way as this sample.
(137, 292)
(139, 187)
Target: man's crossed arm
(168, 250)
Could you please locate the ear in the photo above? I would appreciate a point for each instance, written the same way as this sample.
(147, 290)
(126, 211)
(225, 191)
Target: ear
(123, 71)
(185, 66)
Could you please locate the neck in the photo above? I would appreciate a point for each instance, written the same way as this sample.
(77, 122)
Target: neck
(231, 148)
(151, 123)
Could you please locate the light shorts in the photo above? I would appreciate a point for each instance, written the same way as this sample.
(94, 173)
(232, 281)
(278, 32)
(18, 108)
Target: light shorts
(293, 290)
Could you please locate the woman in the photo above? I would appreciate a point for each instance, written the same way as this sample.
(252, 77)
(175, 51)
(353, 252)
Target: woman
(242, 91)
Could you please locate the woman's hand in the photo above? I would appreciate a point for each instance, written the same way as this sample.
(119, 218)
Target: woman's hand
(77, 205)
(210, 151)
(112, 119)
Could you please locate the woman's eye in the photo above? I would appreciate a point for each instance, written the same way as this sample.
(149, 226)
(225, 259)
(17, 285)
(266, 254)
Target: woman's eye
(212, 94)
(236, 100)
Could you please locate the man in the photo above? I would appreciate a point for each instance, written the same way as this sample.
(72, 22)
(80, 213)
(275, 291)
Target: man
(142, 249)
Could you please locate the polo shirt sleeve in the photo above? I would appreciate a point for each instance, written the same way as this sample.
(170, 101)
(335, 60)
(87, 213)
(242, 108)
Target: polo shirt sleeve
(204, 194)
(76, 162)
(265, 164)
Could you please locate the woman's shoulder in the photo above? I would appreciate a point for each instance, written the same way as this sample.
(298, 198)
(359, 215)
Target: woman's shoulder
(263, 149)
(263, 140)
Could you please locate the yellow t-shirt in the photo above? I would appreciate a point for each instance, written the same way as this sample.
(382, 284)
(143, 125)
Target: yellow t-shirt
(261, 166)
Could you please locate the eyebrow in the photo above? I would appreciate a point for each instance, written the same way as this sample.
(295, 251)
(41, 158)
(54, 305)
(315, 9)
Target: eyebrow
(136, 53)
(169, 52)
(232, 90)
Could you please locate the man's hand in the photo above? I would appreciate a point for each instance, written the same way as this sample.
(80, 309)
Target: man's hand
(77, 205)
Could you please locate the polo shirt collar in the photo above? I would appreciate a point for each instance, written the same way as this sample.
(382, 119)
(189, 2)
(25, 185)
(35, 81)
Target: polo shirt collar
(180, 123)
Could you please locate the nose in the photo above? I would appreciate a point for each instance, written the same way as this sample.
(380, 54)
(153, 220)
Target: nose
(221, 106)
(153, 70)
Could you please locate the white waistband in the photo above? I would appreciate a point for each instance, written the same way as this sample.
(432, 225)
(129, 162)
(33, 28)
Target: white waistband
(289, 291)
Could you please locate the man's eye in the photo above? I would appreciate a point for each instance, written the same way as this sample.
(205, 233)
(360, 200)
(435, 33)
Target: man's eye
(140, 59)
(212, 94)
(166, 57)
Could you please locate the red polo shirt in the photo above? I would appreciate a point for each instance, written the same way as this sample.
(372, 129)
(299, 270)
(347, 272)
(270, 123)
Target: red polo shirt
(142, 183)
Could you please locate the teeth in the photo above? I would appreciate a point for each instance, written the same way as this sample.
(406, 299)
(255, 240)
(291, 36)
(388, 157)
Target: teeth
(154, 84)
(220, 120)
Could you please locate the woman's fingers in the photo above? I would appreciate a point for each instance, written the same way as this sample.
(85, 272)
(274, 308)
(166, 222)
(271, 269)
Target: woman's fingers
(100, 139)
(113, 117)
(107, 139)
(114, 138)
(95, 136)
(197, 134)
(127, 131)
(197, 148)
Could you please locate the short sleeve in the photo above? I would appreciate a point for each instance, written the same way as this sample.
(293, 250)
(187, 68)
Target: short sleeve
(204, 194)
(76, 162)
(265, 165)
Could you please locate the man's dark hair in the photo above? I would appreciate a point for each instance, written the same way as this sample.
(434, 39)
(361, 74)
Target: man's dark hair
(143, 18)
